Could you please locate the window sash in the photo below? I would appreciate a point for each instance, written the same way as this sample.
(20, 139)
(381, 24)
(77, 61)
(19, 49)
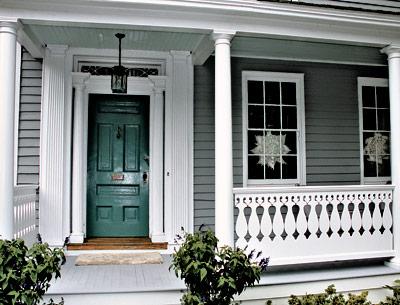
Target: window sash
(264, 77)
(375, 83)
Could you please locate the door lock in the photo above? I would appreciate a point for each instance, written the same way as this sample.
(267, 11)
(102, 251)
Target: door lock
(145, 177)
(119, 130)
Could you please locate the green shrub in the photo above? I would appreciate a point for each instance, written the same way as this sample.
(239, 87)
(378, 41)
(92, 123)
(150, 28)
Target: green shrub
(395, 298)
(25, 273)
(212, 275)
(330, 297)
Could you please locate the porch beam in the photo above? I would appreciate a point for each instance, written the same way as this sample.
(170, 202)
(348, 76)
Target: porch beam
(203, 50)
(8, 45)
(393, 52)
(224, 224)
(78, 164)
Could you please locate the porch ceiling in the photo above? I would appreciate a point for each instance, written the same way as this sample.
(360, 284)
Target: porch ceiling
(103, 38)
(199, 43)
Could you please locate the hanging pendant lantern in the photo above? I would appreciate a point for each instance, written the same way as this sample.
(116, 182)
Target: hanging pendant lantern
(119, 75)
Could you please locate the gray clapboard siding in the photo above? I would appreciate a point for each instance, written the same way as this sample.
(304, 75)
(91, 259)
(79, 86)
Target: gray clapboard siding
(29, 120)
(332, 131)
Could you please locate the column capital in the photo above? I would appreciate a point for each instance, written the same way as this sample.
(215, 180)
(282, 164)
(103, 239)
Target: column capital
(10, 26)
(79, 79)
(57, 49)
(158, 82)
(225, 36)
(392, 51)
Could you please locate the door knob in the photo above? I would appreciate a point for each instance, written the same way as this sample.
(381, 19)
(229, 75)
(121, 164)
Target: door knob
(145, 177)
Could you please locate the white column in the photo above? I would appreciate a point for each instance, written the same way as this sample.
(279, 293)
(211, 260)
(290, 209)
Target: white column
(393, 53)
(224, 224)
(156, 162)
(78, 166)
(8, 31)
(52, 147)
(179, 145)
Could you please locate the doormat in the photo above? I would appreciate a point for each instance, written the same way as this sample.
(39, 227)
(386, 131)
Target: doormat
(119, 259)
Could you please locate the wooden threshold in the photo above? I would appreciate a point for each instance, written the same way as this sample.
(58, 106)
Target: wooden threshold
(118, 243)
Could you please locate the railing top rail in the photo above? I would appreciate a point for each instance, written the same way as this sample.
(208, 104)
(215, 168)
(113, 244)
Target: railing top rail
(312, 189)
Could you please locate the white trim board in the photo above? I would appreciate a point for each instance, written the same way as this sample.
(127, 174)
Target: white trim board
(16, 108)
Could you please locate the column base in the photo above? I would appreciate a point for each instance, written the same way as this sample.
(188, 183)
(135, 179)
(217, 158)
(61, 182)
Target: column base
(393, 263)
(158, 238)
(76, 238)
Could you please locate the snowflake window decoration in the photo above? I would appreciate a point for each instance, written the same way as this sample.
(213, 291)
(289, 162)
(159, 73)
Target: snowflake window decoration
(271, 148)
(376, 147)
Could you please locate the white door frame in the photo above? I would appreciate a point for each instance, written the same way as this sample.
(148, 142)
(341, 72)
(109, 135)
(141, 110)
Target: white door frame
(153, 87)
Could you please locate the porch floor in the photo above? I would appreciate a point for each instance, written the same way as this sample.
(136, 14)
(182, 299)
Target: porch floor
(157, 277)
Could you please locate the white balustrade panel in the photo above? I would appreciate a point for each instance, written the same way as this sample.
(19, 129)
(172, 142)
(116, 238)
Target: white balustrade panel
(25, 198)
(315, 224)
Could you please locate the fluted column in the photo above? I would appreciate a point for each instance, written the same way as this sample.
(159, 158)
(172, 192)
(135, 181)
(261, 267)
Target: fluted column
(78, 166)
(8, 31)
(52, 152)
(393, 53)
(224, 224)
(156, 163)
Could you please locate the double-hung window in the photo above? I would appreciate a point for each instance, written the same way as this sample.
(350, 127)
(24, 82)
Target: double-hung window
(374, 118)
(273, 128)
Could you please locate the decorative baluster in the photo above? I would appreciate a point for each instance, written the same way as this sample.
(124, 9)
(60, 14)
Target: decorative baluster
(356, 220)
(376, 214)
(345, 219)
(387, 214)
(313, 217)
(266, 223)
(324, 217)
(290, 222)
(241, 223)
(254, 225)
(301, 219)
(278, 225)
(335, 218)
(366, 217)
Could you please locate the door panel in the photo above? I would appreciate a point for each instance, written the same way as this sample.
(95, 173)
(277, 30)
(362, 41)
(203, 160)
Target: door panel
(118, 146)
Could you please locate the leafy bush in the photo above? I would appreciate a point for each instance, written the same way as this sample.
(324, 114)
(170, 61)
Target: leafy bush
(395, 299)
(212, 275)
(25, 273)
(330, 297)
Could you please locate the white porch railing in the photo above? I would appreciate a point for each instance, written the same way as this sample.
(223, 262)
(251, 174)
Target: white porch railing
(315, 224)
(25, 213)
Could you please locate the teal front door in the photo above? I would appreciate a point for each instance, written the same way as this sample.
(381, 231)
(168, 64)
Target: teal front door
(118, 164)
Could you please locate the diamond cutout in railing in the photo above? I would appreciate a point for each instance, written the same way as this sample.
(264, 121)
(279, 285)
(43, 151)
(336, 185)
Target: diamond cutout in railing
(296, 234)
(329, 233)
(372, 230)
(351, 231)
(272, 235)
(382, 229)
(260, 236)
(361, 231)
(318, 233)
(340, 232)
(307, 234)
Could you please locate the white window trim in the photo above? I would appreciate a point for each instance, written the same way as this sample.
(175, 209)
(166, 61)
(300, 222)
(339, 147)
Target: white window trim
(298, 78)
(376, 82)
(18, 67)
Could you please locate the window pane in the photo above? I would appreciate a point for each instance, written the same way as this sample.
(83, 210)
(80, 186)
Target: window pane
(382, 97)
(369, 119)
(289, 138)
(272, 117)
(272, 167)
(383, 119)
(255, 92)
(384, 167)
(255, 142)
(256, 116)
(272, 93)
(256, 170)
(368, 96)
(289, 168)
(288, 93)
(289, 117)
(369, 144)
(369, 167)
